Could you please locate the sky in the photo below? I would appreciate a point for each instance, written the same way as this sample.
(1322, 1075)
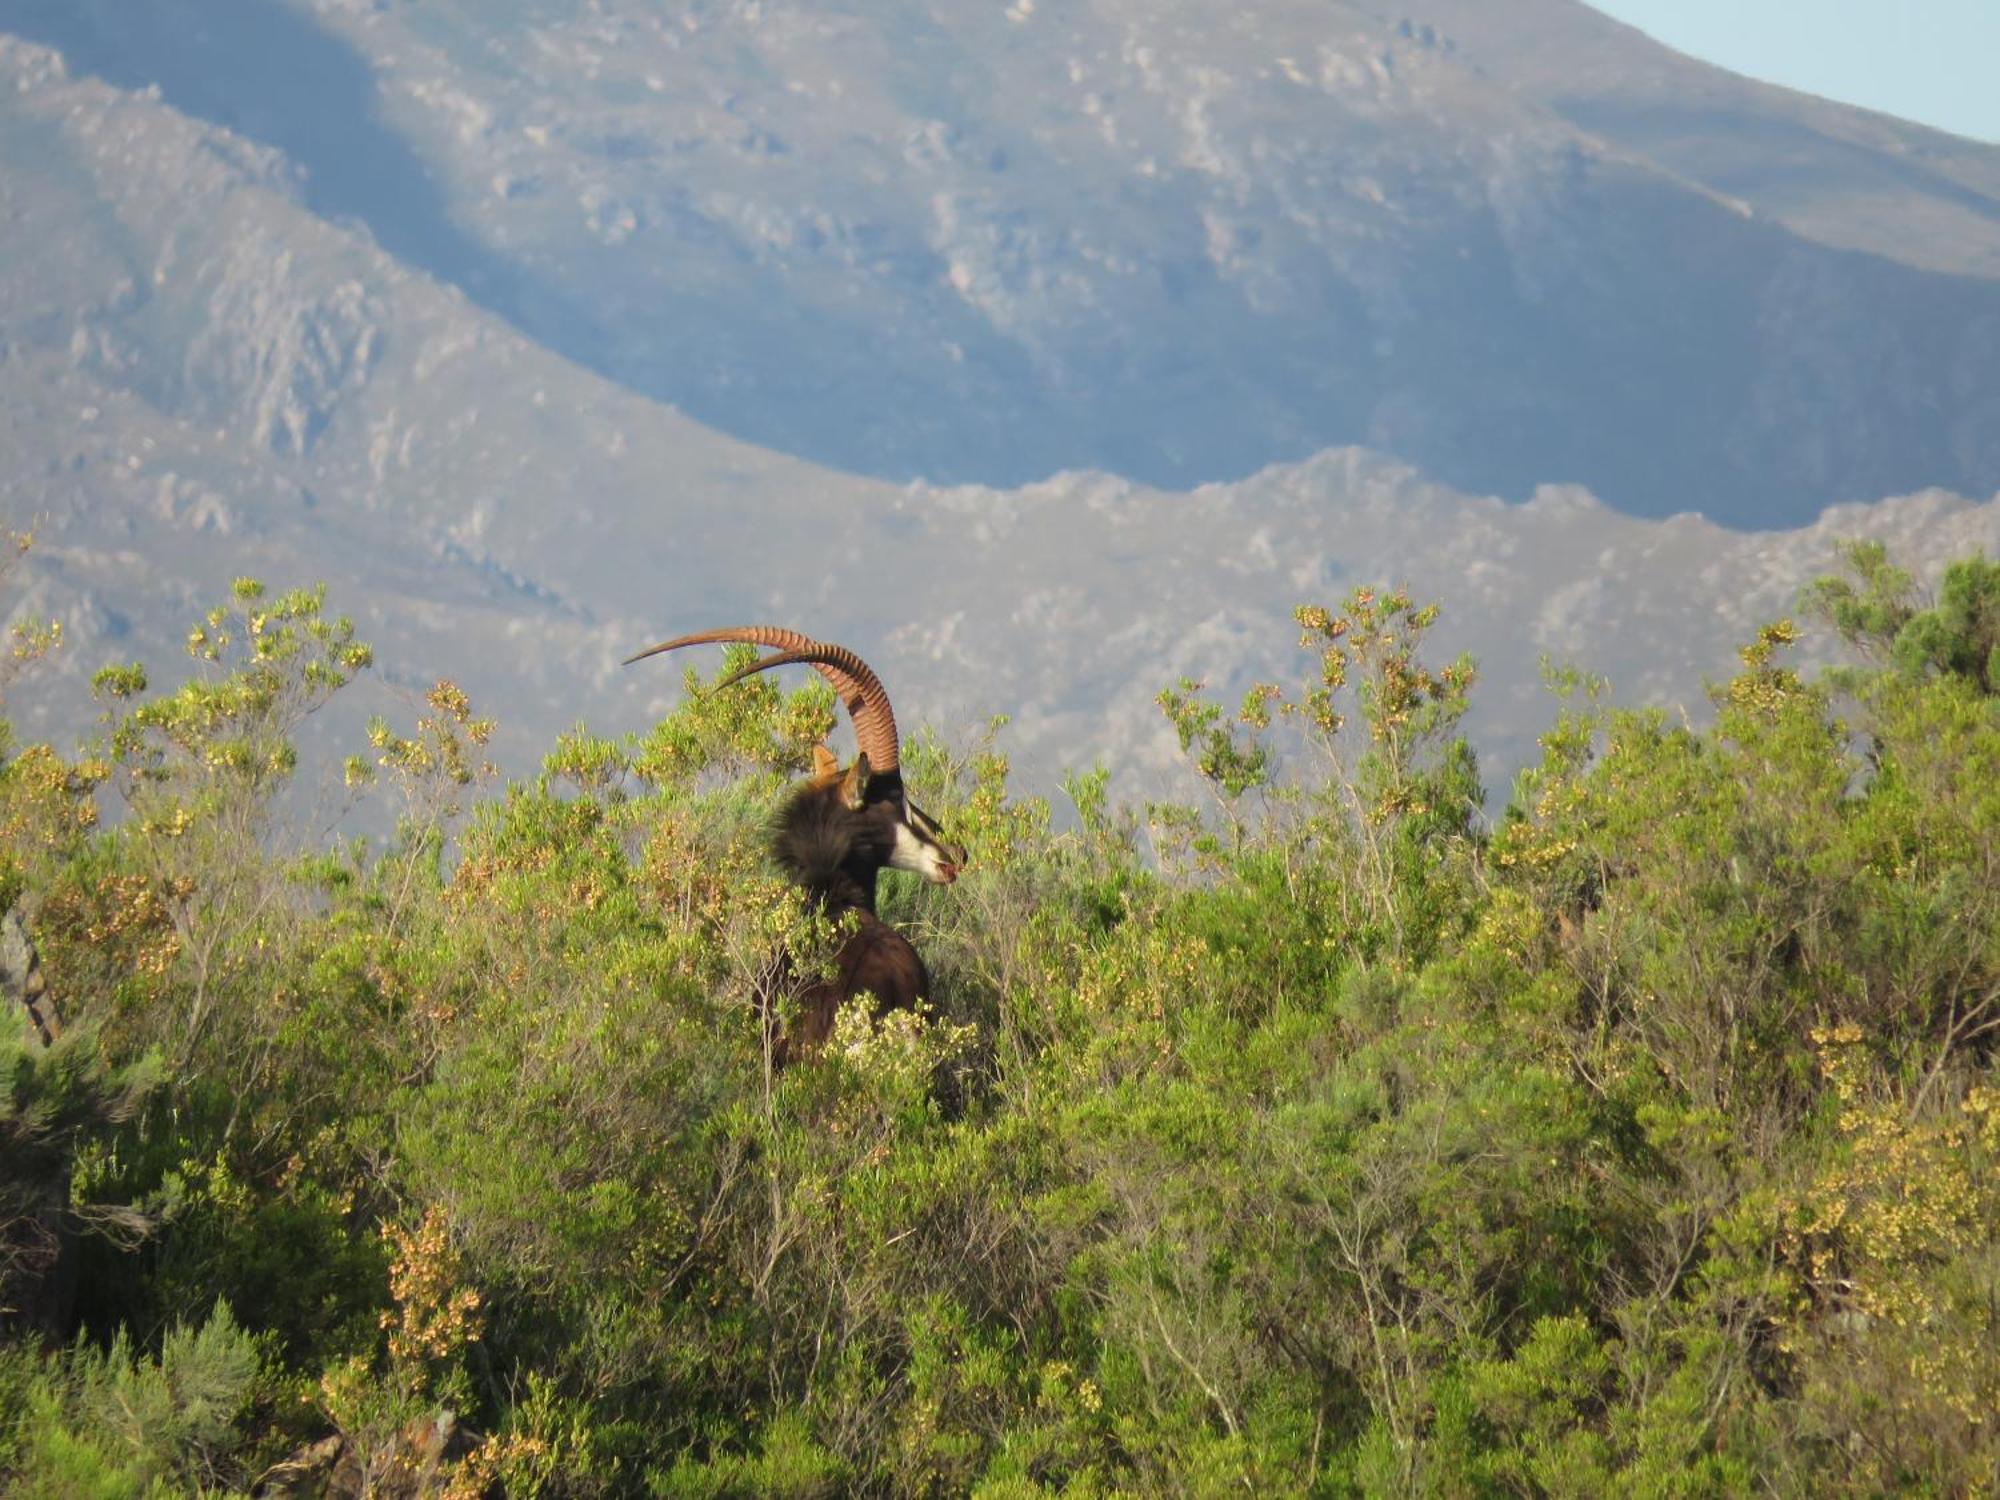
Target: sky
(1934, 61)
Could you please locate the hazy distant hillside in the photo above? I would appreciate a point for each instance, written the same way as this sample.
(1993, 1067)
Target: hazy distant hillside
(202, 375)
(1845, 177)
(1511, 243)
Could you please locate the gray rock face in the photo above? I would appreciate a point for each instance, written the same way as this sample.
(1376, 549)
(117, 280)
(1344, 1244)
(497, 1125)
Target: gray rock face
(360, 331)
(21, 981)
(1513, 243)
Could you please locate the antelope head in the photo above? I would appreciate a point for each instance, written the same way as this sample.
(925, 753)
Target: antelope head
(885, 825)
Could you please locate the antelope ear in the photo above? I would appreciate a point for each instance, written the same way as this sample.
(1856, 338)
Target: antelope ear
(826, 765)
(854, 785)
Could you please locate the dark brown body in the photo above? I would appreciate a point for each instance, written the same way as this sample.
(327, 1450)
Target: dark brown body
(876, 960)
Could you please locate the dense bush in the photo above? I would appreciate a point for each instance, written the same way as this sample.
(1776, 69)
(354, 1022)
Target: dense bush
(1324, 1138)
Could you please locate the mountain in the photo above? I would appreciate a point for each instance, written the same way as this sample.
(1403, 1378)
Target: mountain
(1842, 177)
(1512, 243)
(397, 295)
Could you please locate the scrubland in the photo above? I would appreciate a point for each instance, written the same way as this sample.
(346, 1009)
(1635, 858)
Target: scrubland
(1349, 1131)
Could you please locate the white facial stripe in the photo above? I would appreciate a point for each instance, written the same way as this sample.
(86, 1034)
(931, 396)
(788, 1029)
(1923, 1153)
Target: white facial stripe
(919, 856)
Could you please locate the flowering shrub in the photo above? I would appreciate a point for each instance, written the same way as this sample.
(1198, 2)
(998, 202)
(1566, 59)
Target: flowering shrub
(1324, 1137)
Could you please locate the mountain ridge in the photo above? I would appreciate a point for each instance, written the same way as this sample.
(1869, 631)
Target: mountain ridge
(204, 378)
(906, 243)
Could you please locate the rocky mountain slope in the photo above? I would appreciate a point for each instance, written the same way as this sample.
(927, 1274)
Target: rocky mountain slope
(1512, 243)
(218, 358)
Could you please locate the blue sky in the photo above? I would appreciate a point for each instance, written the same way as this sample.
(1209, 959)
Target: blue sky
(1936, 61)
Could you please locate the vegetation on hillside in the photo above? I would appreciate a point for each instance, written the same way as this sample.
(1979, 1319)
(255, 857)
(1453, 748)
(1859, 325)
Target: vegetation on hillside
(1325, 1138)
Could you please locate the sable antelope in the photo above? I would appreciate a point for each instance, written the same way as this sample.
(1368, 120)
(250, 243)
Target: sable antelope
(836, 832)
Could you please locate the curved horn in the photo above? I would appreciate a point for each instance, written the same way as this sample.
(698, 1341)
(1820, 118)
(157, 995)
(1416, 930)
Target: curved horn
(859, 688)
(757, 635)
(750, 635)
(854, 683)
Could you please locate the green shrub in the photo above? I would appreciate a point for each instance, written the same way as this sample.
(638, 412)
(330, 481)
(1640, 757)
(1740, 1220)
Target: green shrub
(1320, 1139)
(113, 1422)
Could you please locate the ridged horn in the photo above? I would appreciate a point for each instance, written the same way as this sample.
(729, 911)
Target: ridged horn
(854, 683)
